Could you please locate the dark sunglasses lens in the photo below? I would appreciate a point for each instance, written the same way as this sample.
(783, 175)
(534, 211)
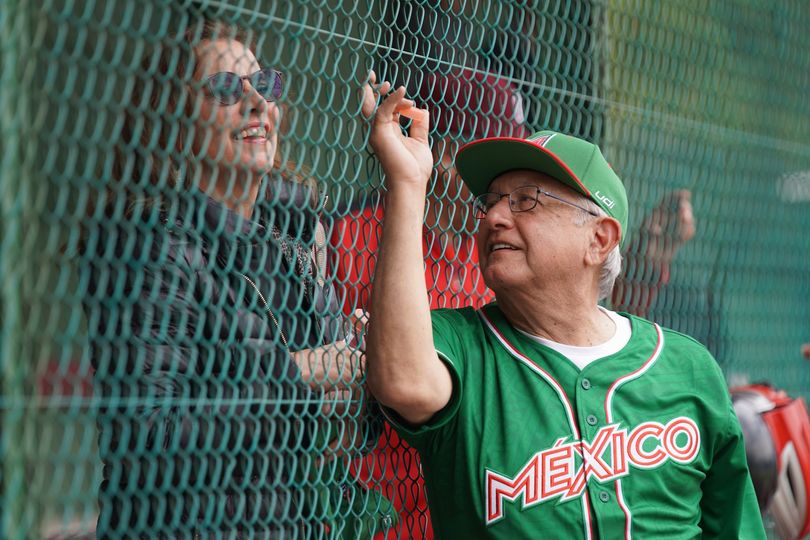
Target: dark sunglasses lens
(226, 87)
(267, 83)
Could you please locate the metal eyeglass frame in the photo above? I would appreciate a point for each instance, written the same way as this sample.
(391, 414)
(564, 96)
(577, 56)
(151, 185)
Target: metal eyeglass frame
(479, 209)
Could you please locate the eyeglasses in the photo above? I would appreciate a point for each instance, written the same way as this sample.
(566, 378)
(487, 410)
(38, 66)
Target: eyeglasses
(521, 199)
(228, 88)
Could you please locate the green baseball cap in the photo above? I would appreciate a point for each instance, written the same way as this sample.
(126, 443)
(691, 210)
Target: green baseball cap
(574, 162)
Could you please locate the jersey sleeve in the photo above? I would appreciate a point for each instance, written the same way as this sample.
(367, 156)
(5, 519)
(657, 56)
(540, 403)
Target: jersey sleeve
(448, 330)
(729, 506)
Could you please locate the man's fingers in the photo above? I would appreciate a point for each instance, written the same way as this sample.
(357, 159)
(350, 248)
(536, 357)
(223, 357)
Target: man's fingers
(370, 90)
(359, 320)
(370, 94)
(369, 101)
(392, 103)
(686, 216)
(420, 123)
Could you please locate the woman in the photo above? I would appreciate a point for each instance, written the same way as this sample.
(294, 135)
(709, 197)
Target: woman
(214, 336)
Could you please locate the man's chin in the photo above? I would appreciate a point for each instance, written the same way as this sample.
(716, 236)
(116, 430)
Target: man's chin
(499, 278)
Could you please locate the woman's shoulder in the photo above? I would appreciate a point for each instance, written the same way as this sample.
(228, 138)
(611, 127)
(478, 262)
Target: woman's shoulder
(137, 242)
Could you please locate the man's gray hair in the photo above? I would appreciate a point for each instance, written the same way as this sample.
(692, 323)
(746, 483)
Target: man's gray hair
(613, 263)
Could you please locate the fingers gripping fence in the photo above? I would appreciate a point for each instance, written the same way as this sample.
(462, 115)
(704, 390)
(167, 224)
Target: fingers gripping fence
(184, 252)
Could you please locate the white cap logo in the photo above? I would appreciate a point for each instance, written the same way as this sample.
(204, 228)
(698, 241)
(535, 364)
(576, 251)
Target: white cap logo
(605, 199)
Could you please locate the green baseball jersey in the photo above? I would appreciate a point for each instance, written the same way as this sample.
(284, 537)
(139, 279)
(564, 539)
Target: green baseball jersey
(643, 443)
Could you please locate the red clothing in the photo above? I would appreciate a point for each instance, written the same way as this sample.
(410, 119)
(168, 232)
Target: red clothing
(453, 281)
(451, 266)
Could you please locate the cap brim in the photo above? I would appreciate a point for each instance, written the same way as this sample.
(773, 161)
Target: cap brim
(480, 162)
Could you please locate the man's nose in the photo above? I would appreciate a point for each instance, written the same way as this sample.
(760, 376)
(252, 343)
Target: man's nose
(499, 214)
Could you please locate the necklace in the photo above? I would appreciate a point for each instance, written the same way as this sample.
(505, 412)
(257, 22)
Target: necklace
(269, 311)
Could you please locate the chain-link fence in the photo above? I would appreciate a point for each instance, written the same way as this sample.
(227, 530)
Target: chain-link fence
(180, 334)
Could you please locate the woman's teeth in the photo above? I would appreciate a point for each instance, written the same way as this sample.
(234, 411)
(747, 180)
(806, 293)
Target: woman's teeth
(252, 133)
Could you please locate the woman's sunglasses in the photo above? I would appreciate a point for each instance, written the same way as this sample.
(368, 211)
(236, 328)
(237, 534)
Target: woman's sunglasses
(228, 88)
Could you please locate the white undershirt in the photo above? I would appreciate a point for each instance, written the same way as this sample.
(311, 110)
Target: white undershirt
(582, 356)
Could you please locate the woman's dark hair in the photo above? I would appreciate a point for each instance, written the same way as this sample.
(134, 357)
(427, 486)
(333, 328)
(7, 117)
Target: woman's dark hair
(156, 133)
(157, 123)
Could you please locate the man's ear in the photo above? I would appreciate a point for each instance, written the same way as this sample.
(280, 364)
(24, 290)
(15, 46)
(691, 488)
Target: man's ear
(606, 235)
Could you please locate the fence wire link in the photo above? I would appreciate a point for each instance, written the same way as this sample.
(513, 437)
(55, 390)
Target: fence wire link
(181, 348)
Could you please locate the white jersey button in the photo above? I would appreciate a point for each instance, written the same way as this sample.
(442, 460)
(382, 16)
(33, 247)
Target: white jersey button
(592, 420)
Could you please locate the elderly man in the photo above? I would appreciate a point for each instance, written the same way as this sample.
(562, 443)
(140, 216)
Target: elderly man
(544, 415)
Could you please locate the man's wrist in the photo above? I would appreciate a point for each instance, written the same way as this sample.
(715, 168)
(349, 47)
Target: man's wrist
(413, 187)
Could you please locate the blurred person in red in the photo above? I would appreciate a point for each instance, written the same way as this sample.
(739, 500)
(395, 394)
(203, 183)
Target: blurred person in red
(464, 106)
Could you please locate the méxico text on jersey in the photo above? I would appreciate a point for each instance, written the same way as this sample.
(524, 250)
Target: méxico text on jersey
(562, 471)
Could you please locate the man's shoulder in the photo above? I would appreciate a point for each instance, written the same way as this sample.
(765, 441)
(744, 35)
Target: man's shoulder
(682, 352)
(461, 322)
(672, 339)
(464, 315)
(681, 342)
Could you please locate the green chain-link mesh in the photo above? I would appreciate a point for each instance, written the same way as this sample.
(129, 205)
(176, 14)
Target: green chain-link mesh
(169, 369)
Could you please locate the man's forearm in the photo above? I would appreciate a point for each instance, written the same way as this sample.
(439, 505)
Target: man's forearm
(404, 371)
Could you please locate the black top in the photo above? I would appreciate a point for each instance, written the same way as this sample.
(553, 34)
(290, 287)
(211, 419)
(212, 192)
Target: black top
(204, 421)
